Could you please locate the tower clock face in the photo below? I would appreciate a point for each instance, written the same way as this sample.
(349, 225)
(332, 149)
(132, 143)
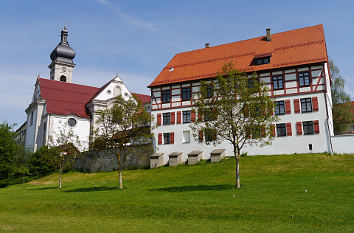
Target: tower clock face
(63, 69)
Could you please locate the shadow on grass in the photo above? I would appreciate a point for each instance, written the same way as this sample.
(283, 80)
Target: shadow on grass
(189, 188)
(44, 188)
(91, 189)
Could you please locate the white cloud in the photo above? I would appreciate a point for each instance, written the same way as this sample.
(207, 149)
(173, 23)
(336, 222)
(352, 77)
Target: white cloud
(129, 19)
(104, 2)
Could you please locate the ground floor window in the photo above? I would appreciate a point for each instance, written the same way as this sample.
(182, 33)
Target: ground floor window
(186, 136)
(167, 138)
(308, 127)
(281, 130)
(210, 135)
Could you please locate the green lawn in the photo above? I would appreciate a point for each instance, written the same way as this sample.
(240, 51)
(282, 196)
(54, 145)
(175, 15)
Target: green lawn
(197, 198)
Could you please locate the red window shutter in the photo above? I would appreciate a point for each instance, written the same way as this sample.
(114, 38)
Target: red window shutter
(297, 105)
(192, 115)
(215, 114)
(270, 111)
(246, 111)
(248, 132)
(287, 107)
(288, 129)
(298, 128)
(159, 119)
(314, 103)
(160, 138)
(179, 117)
(316, 127)
(272, 127)
(263, 132)
(173, 117)
(200, 135)
(172, 137)
(200, 116)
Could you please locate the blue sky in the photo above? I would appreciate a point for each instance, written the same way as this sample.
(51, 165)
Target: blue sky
(137, 38)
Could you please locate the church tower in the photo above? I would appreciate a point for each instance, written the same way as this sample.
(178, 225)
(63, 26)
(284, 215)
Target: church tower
(62, 65)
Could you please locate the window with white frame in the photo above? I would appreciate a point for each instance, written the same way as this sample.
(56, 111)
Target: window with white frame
(166, 118)
(166, 96)
(279, 107)
(278, 82)
(167, 138)
(308, 127)
(304, 79)
(281, 130)
(186, 136)
(186, 93)
(306, 105)
(186, 116)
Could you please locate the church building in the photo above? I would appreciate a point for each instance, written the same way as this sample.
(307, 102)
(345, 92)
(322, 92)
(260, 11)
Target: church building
(59, 104)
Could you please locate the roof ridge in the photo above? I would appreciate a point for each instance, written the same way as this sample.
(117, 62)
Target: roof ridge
(318, 25)
(64, 83)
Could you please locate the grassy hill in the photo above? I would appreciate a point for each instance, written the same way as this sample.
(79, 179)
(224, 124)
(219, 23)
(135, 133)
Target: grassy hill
(287, 193)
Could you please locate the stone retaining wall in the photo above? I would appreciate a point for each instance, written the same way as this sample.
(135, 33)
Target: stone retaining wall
(98, 161)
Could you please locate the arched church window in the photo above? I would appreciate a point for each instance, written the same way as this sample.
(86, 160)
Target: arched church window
(63, 78)
(117, 91)
(71, 122)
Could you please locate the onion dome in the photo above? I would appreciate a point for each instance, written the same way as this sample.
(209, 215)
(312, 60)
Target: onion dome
(63, 50)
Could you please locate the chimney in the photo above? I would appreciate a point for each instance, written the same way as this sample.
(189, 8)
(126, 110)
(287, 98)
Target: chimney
(268, 34)
(207, 45)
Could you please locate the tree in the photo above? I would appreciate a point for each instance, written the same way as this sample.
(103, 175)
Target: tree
(63, 150)
(20, 163)
(341, 100)
(235, 108)
(8, 148)
(121, 127)
(40, 163)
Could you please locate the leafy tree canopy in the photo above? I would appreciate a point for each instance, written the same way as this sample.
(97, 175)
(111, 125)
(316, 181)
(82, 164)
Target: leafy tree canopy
(235, 108)
(121, 127)
(341, 100)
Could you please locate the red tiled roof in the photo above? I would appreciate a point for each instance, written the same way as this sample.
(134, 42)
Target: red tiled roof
(69, 98)
(144, 98)
(66, 98)
(296, 47)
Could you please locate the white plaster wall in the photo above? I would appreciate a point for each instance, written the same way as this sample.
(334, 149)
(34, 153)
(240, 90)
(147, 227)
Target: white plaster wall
(30, 131)
(108, 92)
(329, 100)
(343, 144)
(281, 145)
(81, 129)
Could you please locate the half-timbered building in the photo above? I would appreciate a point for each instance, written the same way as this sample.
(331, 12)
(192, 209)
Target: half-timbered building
(293, 65)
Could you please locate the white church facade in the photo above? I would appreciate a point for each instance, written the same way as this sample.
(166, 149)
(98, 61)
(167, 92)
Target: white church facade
(292, 64)
(58, 104)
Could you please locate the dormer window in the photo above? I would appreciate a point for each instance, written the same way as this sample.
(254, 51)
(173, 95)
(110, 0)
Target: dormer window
(262, 60)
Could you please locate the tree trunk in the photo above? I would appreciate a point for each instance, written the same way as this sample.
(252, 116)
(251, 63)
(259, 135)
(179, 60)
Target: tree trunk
(237, 158)
(60, 171)
(120, 171)
(237, 172)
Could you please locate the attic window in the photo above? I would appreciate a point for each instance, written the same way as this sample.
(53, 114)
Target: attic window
(261, 60)
(171, 69)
